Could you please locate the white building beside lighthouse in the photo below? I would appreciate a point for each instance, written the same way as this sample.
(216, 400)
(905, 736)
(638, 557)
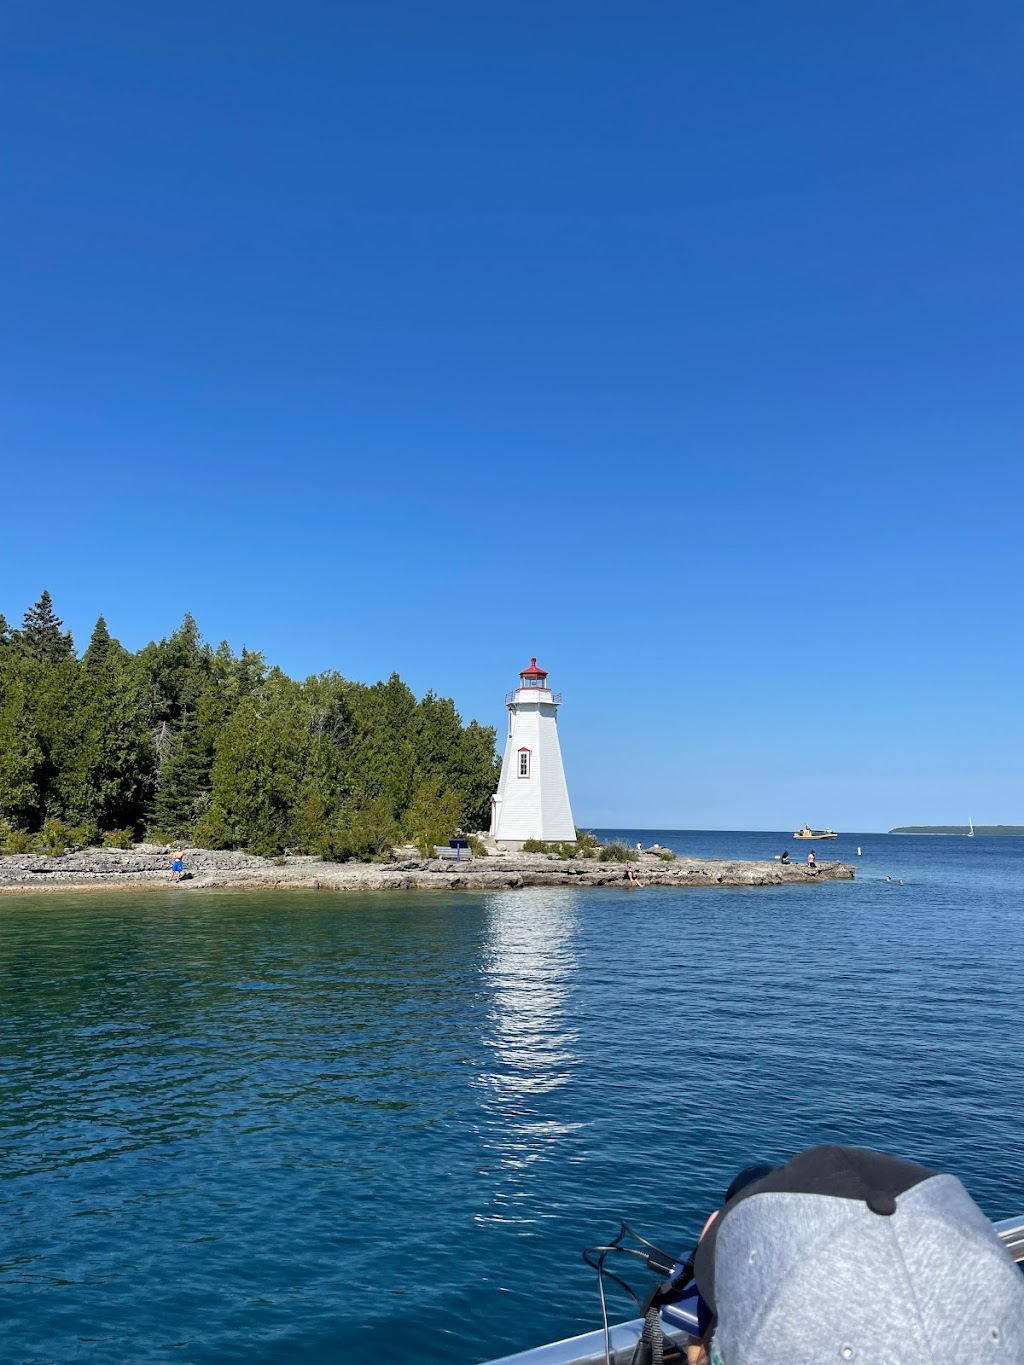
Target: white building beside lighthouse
(532, 800)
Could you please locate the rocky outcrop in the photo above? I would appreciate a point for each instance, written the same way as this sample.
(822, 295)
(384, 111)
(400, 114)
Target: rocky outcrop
(147, 866)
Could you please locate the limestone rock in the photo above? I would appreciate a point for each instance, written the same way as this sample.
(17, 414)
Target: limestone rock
(149, 866)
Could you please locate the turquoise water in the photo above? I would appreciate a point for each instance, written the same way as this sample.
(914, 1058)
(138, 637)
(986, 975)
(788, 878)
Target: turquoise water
(297, 1127)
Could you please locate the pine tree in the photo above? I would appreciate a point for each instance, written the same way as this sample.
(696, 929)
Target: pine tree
(479, 769)
(21, 754)
(383, 753)
(183, 780)
(433, 817)
(41, 636)
(173, 672)
(98, 652)
(194, 740)
(105, 763)
(438, 731)
(263, 754)
(38, 720)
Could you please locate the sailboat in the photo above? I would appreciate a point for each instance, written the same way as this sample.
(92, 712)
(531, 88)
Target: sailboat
(970, 828)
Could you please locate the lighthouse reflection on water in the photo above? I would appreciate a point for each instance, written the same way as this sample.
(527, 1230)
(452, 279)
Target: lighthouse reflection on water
(529, 964)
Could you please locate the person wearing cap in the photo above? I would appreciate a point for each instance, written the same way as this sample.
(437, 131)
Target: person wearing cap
(697, 1353)
(849, 1255)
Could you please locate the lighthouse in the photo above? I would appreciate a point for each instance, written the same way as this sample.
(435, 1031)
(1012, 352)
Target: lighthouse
(532, 800)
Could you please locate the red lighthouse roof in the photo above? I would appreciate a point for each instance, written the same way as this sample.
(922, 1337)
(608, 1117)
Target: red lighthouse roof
(533, 671)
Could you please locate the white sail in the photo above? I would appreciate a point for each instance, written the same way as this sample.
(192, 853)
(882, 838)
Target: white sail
(970, 828)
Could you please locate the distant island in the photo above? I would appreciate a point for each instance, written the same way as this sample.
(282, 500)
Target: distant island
(1013, 830)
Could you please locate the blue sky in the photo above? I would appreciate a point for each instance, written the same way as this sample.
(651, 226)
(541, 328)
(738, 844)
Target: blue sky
(677, 345)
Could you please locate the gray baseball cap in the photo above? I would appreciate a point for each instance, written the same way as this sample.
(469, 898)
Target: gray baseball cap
(848, 1255)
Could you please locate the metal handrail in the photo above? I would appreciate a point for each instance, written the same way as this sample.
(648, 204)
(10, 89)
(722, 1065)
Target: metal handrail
(1011, 1234)
(555, 699)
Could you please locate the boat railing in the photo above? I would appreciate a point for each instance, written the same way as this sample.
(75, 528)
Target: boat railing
(587, 1349)
(1011, 1234)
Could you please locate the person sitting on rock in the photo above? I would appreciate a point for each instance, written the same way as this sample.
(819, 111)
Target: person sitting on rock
(785, 856)
(811, 862)
(630, 876)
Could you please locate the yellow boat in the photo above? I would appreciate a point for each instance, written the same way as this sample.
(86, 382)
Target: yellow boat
(808, 833)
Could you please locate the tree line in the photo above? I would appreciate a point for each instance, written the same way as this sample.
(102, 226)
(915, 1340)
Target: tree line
(185, 741)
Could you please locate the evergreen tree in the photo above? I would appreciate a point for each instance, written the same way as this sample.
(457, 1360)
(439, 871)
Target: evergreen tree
(98, 652)
(262, 757)
(194, 740)
(462, 758)
(383, 751)
(105, 763)
(173, 676)
(41, 637)
(182, 780)
(434, 816)
(21, 754)
(478, 770)
(172, 673)
(38, 714)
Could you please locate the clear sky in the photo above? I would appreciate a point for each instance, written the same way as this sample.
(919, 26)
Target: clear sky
(678, 345)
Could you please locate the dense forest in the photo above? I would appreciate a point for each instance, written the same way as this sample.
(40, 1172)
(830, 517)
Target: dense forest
(183, 740)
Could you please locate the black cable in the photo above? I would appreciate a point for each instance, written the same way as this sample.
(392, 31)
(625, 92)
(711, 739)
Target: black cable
(599, 1266)
(667, 1255)
(666, 1261)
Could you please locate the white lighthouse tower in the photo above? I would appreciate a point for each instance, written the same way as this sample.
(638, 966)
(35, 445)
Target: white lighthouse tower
(532, 801)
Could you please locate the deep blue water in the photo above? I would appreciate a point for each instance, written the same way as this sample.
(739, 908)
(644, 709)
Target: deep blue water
(298, 1127)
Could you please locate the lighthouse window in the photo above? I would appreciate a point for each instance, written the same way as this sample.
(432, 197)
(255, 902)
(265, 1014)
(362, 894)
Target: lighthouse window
(524, 763)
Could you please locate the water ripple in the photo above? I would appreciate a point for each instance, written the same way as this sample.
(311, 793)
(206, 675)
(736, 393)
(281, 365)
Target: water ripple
(295, 1128)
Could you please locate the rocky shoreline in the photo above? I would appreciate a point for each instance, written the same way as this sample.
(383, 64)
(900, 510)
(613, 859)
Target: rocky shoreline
(146, 868)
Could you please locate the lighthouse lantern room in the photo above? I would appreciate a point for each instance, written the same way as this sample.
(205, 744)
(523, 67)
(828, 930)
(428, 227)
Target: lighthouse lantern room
(532, 800)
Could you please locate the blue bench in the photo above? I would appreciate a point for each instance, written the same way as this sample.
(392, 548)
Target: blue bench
(461, 854)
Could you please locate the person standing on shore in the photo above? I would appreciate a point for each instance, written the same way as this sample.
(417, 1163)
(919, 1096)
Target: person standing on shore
(811, 861)
(177, 865)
